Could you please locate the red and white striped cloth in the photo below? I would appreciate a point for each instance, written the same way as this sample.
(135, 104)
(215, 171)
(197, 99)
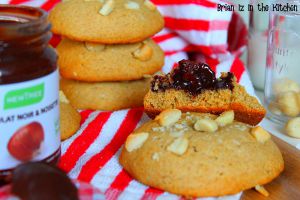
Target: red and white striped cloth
(193, 27)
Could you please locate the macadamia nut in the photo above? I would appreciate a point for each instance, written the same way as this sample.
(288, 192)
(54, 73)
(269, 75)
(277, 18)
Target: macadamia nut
(292, 127)
(179, 146)
(135, 141)
(207, 125)
(285, 85)
(144, 53)
(288, 104)
(261, 190)
(132, 5)
(260, 134)
(107, 8)
(225, 118)
(168, 117)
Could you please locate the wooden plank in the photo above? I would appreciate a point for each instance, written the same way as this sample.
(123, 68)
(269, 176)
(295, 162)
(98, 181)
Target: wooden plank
(287, 185)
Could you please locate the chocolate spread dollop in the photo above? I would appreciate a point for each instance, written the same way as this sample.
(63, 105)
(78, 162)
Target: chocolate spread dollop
(193, 78)
(36, 181)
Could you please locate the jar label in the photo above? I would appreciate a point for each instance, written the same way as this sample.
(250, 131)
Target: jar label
(29, 120)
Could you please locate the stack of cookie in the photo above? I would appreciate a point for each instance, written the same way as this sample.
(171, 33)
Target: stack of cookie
(106, 56)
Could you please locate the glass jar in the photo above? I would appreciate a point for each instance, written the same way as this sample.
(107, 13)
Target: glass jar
(282, 89)
(29, 85)
(257, 43)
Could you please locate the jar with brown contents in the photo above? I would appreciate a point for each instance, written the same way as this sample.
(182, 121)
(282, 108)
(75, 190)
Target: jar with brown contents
(29, 110)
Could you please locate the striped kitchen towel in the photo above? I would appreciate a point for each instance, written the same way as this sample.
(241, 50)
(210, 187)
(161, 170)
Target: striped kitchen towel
(192, 28)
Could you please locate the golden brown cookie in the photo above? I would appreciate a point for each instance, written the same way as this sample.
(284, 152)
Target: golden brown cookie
(93, 62)
(69, 118)
(105, 95)
(107, 21)
(201, 155)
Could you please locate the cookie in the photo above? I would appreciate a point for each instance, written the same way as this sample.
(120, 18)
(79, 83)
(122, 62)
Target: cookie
(69, 118)
(194, 155)
(93, 62)
(193, 87)
(105, 95)
(107, 21)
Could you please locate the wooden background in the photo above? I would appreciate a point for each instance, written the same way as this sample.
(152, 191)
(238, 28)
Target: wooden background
(287, 185)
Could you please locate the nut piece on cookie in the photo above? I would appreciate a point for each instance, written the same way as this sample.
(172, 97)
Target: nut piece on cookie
(155, 156)
(144, 53)
(135, 141)
(132, 5)
(288, 104)
(107, 8)
(292, 127)
(62, 97)
(94, 46)
(207, 125)
(262, 190)
(260, 134)
(225, 118)
(149, 5)
(168, 117)
(179, 146)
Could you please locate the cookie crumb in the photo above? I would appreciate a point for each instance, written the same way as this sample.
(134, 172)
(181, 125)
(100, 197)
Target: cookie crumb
(177, 134)
(179, 126)
(159, 129)
(236, 142)
(155, 156)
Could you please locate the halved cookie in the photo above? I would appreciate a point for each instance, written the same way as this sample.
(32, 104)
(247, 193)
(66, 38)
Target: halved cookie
(194, 87)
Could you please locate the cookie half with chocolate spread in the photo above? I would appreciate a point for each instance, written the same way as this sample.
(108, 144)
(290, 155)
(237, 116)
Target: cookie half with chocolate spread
(194, 87)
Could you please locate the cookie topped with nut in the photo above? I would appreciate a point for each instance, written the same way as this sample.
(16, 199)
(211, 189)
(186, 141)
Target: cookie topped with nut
(92, 62)
(106, 21)
(198, 155)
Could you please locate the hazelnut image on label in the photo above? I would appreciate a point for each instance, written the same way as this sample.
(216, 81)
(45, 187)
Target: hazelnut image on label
(25, 143)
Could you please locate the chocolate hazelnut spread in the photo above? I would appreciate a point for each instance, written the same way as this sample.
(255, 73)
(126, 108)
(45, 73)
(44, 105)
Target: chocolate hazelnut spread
(28, 85)
(193, 78)
(24, 50)
(36, 181)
